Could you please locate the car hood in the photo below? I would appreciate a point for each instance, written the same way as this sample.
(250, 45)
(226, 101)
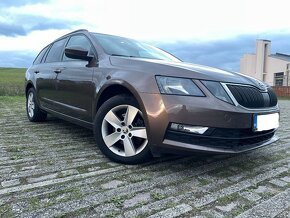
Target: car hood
(183, 69)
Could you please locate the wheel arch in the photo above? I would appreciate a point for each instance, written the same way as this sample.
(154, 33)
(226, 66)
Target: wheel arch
(28, 86)
(118, 87)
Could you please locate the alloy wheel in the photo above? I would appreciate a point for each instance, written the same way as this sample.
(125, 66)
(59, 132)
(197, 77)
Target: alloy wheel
(124, 131)
(30, 104)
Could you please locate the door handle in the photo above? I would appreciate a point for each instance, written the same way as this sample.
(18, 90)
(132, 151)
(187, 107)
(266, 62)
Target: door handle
(58, 70)
(36, 72)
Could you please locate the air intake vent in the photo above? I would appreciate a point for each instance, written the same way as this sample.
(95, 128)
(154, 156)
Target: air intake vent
(251, 97)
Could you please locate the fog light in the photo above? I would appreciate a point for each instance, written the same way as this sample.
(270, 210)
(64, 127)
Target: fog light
(187, 128)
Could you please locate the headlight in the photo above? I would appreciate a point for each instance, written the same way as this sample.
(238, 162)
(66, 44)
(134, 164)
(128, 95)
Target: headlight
(177, 86)
(217, 90)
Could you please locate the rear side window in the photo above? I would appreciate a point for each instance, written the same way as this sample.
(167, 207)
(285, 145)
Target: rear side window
(56, 51)
(40, 56)
(79, 41)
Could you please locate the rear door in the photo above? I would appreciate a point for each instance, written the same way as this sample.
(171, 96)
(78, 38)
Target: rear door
(74, 86)
(40, 77)
(46, 74)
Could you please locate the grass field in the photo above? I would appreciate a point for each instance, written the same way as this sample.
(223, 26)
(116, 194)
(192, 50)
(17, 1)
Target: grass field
(12, 81)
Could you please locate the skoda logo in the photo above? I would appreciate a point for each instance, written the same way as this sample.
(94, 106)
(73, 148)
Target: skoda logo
(262, 86)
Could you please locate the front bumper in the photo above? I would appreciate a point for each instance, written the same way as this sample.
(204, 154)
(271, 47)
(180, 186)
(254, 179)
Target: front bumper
(234, 124)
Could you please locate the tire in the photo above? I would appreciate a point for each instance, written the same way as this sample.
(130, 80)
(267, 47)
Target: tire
(34, 113)
(120, 137)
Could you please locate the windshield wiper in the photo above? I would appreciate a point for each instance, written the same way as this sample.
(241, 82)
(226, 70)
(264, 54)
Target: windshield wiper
(128, 56)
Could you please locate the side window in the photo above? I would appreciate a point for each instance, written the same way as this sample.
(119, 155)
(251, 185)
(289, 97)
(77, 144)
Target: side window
(40, 55)
(55, 52)
(79, 41)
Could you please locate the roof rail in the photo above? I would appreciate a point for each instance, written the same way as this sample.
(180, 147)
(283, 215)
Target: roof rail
(79, 30)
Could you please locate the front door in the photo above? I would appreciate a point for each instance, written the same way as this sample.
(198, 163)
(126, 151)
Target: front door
(74, 84)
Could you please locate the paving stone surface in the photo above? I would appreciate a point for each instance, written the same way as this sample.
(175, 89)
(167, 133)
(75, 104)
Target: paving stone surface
(55, 169)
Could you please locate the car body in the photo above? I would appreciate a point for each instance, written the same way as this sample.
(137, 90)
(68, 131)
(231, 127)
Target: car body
(88, 78)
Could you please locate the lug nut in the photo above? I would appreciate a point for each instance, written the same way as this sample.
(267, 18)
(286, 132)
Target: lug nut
(122, 136)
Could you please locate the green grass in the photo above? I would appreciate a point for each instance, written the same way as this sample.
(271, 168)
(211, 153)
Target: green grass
(11, 99)
(12, 81)
(157, 196)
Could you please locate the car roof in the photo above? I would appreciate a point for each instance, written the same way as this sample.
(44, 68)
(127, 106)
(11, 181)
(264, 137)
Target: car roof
(76, 31)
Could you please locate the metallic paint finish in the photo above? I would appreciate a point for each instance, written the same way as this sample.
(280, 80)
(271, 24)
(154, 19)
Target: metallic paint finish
(73, 94)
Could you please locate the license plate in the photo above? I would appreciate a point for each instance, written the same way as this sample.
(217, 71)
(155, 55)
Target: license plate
(264, 122)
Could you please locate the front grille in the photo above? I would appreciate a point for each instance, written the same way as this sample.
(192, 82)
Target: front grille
(251, 97)
(235, 139)
(273, 97)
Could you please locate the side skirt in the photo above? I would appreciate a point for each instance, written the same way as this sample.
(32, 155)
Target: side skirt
(76, 121)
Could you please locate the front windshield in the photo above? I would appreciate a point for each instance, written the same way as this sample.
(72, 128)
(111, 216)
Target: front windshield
(120, 46)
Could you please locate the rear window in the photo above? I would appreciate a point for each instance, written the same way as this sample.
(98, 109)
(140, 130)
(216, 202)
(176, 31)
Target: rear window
(40, 56)
(56, 51)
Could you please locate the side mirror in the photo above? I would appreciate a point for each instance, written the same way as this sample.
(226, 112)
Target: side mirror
(77, 53)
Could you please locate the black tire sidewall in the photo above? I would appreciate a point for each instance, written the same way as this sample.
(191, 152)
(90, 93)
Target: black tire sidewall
(143, 156)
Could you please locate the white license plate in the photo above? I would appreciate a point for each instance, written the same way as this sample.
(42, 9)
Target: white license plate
(264, 122)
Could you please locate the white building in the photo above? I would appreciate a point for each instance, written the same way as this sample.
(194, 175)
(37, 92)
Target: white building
(270, 68)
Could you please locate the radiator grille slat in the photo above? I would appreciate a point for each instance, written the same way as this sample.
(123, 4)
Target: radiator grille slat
(251, 97)
(273, 97)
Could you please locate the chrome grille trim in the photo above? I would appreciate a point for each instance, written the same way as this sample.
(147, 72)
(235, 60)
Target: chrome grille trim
(244, 97)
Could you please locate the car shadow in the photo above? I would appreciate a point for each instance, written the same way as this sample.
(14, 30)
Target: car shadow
(189, 160)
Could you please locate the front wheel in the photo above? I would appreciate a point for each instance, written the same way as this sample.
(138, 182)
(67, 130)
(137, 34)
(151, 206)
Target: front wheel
(120, 131)
(34, 113)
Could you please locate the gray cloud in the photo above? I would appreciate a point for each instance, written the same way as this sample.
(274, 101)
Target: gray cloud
(11, 29)
(53, 24)
(30, 23)
(225, 53)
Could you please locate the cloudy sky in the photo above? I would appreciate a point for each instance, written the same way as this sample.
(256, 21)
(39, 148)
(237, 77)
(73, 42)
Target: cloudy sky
(209, 32)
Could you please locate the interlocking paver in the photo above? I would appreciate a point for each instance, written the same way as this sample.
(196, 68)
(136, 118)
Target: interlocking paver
(54, 168)
(286, 179)
(251, 196)
(172, 212)
(9, 183)
(227, 208)
(271, 207)
(278, 182)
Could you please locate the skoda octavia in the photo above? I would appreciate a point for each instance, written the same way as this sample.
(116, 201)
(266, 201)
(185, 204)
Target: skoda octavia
(140, 100)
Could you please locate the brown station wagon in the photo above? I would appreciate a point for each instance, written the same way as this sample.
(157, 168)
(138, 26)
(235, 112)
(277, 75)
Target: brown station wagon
(140, 100)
